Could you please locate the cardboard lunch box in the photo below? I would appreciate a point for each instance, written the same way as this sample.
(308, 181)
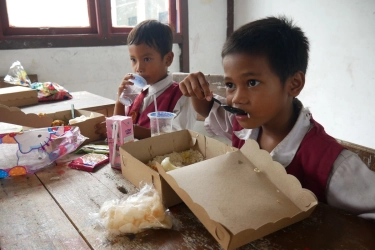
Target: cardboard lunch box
(239, 195)
(14, 115)
(18, 96)
(135, 155)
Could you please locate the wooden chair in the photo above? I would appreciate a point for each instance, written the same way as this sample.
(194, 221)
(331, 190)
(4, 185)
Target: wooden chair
(367, 155)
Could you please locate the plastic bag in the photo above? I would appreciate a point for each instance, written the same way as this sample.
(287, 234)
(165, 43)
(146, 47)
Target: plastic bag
(138, 212)
(26, 152)
(17, 75)
(50, 91)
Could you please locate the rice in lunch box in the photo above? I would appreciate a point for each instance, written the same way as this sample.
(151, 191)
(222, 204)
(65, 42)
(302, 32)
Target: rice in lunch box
(179, 159)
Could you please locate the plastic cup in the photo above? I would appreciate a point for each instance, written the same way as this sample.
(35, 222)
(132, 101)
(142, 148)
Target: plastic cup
(161, 122)
(129, 94)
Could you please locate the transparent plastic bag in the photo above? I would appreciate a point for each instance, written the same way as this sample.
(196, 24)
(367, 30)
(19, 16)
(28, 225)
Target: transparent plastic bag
(140, 211)
(17, 75)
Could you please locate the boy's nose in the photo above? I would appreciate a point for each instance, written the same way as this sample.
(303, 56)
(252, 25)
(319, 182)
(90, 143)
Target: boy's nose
(239, 96)
(139, 68)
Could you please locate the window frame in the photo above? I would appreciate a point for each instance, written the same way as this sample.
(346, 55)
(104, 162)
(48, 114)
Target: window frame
(101, 32)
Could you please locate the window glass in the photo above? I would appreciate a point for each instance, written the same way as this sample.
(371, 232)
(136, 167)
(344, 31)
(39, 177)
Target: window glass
(128, 13)
(48, 13)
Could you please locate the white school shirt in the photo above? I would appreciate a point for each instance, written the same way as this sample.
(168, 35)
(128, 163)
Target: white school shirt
(185, 113)
(351, 184)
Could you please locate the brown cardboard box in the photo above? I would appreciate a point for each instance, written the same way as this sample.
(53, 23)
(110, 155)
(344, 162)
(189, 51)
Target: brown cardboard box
(18, 96)
(134, 155)
(14, 115)
(239, 195)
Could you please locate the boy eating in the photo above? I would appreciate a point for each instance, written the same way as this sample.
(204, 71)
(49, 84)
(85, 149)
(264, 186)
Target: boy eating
(265, 63)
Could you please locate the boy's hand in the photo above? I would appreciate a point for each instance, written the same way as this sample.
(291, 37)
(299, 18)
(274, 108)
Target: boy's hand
(195, 85)
(124, 83)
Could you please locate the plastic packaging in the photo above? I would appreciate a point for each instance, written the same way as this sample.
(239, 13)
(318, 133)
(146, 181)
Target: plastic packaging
(140, 211)
(50, 91)
(88, 162)
(26, 152)
(17, 75)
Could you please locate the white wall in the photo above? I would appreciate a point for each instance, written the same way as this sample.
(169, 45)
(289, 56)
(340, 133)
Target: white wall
(339, 90)
(98, 70)
(207, 34)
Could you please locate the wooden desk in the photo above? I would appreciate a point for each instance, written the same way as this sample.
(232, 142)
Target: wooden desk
(81, 100)
(53, 209)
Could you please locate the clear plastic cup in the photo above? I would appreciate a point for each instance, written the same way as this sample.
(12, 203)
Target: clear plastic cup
(161, 122)
(129, 94)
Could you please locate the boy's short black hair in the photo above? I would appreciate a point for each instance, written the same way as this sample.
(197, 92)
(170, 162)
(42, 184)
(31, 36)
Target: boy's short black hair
(284, 44)
(154, 34)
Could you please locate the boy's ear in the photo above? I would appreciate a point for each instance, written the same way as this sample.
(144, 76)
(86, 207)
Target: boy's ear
(296, 83)
(169, 58)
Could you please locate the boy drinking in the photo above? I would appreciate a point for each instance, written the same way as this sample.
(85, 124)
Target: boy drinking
(150, 49)
(265, 63)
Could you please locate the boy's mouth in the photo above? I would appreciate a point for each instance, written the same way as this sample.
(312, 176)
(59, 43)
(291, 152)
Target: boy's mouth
(243, 116)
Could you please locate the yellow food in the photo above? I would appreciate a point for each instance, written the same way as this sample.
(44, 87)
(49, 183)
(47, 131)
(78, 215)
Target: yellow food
(178, 159)
(57, 123)
(167, 165)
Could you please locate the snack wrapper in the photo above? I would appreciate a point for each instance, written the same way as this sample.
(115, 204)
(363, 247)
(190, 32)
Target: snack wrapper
(140, 211)
(50, 91)
(88, 162)
(26, 152)
(17, 75)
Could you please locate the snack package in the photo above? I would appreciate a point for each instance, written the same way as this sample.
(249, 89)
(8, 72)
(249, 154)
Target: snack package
(88, 162)
(94, 148)
(17, 75)
(119, 131)
(140, 211)
(50, 91)
(26, 152)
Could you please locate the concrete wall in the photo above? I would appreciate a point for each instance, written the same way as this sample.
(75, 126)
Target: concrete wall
(98, 70)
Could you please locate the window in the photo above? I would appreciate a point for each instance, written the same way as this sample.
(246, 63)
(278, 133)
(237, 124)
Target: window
(77, 23)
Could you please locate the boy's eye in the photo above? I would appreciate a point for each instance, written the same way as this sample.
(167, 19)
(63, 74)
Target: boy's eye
(229, 85)
(147, 59)
(252, 83)
(132, 59)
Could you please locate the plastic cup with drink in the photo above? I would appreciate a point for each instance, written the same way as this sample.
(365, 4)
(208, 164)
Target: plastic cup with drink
(161, 122)
(129, 93)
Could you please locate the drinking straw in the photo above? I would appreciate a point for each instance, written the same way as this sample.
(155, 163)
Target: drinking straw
(72, 111)
(156, 112)
(114, 137)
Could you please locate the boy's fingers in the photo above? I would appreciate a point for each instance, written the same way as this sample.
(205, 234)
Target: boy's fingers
(205, 86)
(183, 89)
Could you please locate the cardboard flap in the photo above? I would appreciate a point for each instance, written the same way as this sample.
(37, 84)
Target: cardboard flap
(16, 92)
(15, 116)
(231, 191)
(276, 173)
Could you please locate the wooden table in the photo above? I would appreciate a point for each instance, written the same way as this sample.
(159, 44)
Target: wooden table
(55, 209)
(81, 100)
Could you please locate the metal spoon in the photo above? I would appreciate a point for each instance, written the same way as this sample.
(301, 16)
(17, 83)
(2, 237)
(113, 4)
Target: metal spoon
(230, 109)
